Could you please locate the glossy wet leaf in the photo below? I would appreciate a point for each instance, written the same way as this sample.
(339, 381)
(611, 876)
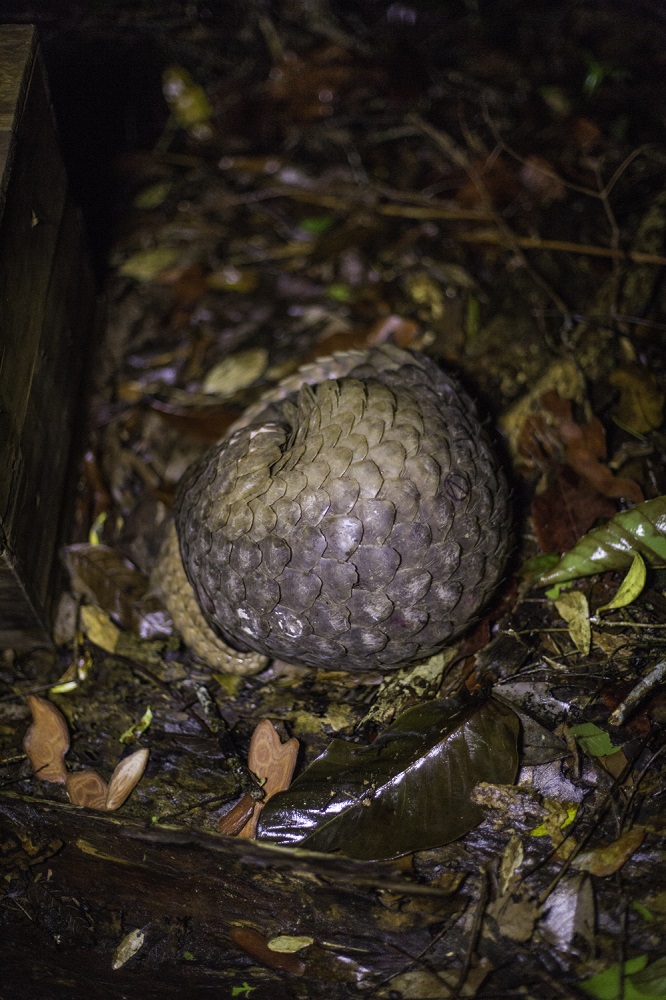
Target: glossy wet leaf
(408, 791)
(613, 545)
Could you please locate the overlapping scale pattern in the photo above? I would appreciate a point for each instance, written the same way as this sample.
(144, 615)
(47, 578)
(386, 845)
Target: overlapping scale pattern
(356, 522)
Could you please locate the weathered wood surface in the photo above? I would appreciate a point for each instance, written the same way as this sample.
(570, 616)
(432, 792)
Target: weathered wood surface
(46, 312)
(79, 882)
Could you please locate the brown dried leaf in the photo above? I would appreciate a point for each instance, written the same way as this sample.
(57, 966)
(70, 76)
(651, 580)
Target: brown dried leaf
(554, 435)
(541, 179)
(566, 509)
(104, 577)
(270, 759)
(498, 185)
(125, 778)
(87, 789)
(607, 860)
(586, 451)
(47, 740)
(205, 423)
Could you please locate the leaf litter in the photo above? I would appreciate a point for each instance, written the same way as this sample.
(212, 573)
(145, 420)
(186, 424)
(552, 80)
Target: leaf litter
(359, 208)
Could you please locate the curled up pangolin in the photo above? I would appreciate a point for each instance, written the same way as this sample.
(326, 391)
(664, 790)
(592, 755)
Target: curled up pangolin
(354, 518)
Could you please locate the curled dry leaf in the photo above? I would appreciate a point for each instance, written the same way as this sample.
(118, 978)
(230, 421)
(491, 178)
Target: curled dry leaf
(47, 740)
(270, 759)
(125, 778)
(87, 789)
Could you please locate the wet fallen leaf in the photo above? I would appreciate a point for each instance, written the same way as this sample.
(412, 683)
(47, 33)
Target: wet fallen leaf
(604, 861)
(651, 981)
(153, 195)
(273, 761)
(99, 628)
(127, 948)
(574, 609)
(104, 577)
(236, 372)
(615, 982)
(612, 546)
(512, 859)
(631, 587)
(138, 729)
(640, 407)
(125, 778)
(287, 944)
(375, 802)
(47, 740)
(188, 103)
(144, 265)
(515, 918)
(592, 740)
(558, 816)
(87, 789)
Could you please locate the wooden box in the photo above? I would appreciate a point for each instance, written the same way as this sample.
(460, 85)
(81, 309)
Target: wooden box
(47, 300)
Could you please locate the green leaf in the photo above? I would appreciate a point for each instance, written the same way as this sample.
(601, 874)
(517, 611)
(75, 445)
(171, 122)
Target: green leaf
(631, 587)
(613, 545)
(651, 981)
(407, 791)
(317, 224)
(593, 741)
(144, 265)
(606, 985)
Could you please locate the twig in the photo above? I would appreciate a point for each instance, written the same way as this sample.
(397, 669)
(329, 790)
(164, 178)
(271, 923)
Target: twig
(479, 913)
(644, 686)
(415, 206)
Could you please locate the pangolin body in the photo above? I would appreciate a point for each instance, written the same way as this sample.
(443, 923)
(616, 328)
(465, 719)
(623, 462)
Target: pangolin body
(355, 518)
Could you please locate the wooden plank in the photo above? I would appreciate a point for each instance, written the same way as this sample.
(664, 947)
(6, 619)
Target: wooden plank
(98, 876)
(46, 304)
